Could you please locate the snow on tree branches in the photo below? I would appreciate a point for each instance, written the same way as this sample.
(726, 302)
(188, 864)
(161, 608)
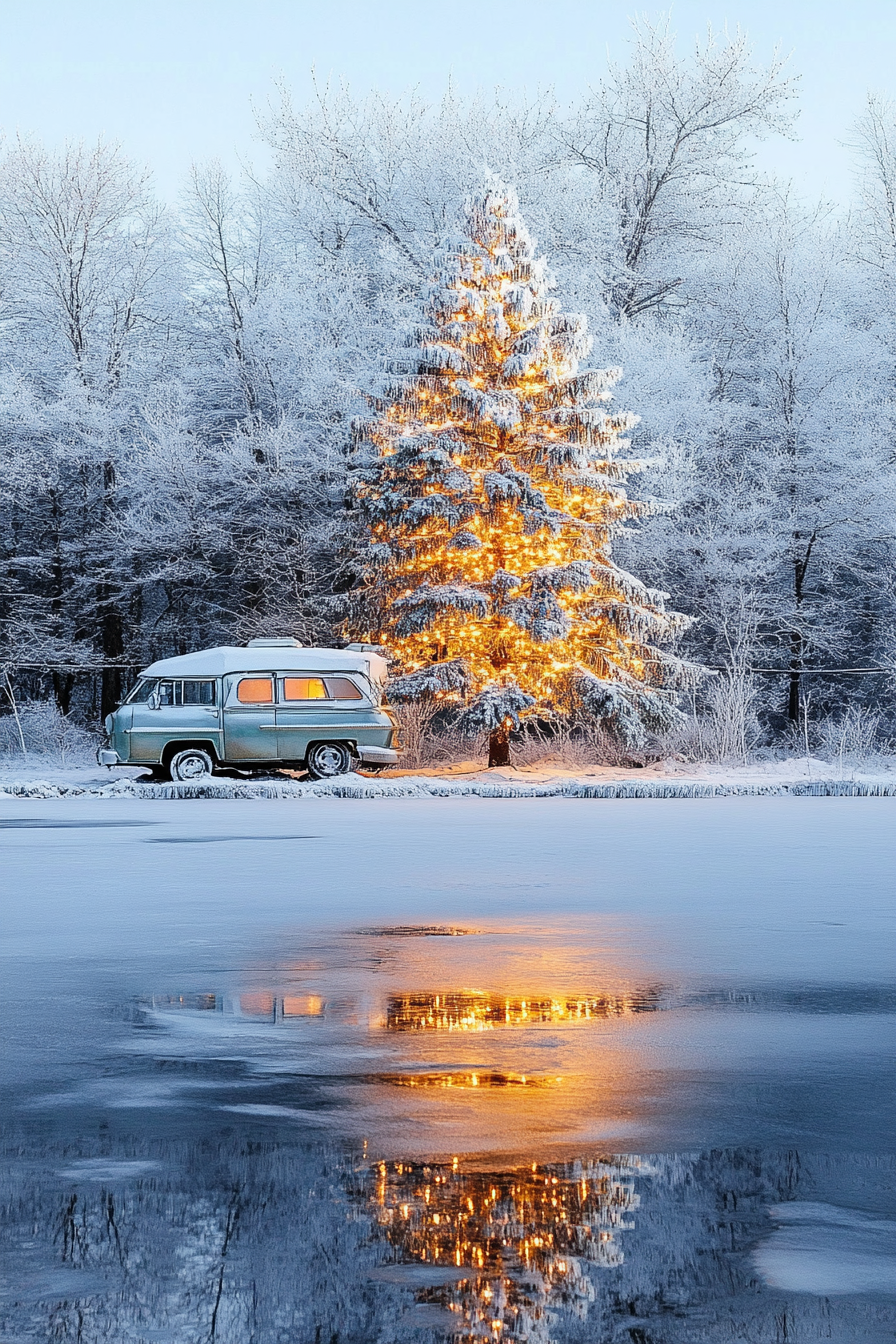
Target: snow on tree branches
(491, 494)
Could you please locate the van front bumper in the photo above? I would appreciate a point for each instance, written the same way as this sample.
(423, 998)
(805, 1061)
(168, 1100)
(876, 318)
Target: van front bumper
(106, 756)
(378, 755)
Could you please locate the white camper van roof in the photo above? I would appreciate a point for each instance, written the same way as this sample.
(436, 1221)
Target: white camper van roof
(270, 656)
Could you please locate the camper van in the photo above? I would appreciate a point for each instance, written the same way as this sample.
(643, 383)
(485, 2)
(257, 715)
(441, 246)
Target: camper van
(270, 705)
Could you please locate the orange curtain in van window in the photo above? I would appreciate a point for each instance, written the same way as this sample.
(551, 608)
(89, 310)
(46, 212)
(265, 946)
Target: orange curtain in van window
(255, 691)
(304, 688)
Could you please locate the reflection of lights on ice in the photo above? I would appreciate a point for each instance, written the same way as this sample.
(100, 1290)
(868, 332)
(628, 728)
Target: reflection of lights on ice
(421, 1011)
(468, 1010)
(465, 1079)
(527, 1235)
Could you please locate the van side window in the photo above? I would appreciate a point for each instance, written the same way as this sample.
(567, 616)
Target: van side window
(170, 692)
(304, 688)
(185, 692)
(343, 688)
(255, 691)
(199, 692)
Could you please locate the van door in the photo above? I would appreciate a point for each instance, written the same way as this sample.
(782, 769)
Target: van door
(315, 708)
(148, 734)
(186, 710)
(250, 728)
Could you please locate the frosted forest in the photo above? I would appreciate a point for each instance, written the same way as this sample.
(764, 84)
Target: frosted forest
(182, 387)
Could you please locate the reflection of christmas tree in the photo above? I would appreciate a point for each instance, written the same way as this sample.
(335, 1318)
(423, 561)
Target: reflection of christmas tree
(238, 1234)
(526, 1236)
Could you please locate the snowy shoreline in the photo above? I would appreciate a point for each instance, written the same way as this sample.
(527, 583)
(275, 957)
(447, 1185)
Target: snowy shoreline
(666, 780)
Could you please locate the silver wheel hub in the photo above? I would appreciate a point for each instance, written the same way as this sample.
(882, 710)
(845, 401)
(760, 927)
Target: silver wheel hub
(329, 760)
(193, 767)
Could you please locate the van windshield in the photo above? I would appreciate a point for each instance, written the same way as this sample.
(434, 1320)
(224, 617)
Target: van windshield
(141, 692)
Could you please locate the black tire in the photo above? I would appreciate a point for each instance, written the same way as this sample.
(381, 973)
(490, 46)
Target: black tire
(190, 766)
(327, 759)
(157, 774)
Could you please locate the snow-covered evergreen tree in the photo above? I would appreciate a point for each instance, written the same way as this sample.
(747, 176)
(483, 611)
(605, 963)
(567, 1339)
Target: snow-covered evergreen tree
(492, 498)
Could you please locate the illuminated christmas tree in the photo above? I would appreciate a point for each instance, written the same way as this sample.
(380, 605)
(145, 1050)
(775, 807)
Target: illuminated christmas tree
(491, 489)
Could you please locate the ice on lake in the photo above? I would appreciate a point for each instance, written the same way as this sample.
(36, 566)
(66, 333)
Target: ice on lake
(334, 1071)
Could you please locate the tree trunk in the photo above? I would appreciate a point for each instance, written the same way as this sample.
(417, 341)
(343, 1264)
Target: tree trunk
(111, 620)
(499, 746)
(113, 647)
(793, 690)
(800, 566)
(62, 690)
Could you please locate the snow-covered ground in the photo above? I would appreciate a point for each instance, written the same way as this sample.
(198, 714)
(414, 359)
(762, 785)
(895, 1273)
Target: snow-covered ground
(669, 779)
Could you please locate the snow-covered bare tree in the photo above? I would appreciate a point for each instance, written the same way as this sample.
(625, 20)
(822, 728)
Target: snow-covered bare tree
(82, 261)
(224, 536)
(227, 249)
(875, 225)
(792, 483)
(668, 142)
(81, 252)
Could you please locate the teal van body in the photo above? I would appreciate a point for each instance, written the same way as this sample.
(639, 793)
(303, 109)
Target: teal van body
(271, 704)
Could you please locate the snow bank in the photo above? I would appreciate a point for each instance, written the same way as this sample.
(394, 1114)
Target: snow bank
(358, 786)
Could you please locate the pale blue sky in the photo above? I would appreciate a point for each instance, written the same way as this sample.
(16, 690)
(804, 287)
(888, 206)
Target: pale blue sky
(174, 80)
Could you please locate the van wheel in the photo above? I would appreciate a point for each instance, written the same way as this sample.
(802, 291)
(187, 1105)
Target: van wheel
(190, 764)
(326, 759)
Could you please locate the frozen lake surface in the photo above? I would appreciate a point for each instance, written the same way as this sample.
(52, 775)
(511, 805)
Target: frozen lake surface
(341, 1072)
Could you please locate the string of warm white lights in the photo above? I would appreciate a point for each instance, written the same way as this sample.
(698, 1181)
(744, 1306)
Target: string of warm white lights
(493, 496)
